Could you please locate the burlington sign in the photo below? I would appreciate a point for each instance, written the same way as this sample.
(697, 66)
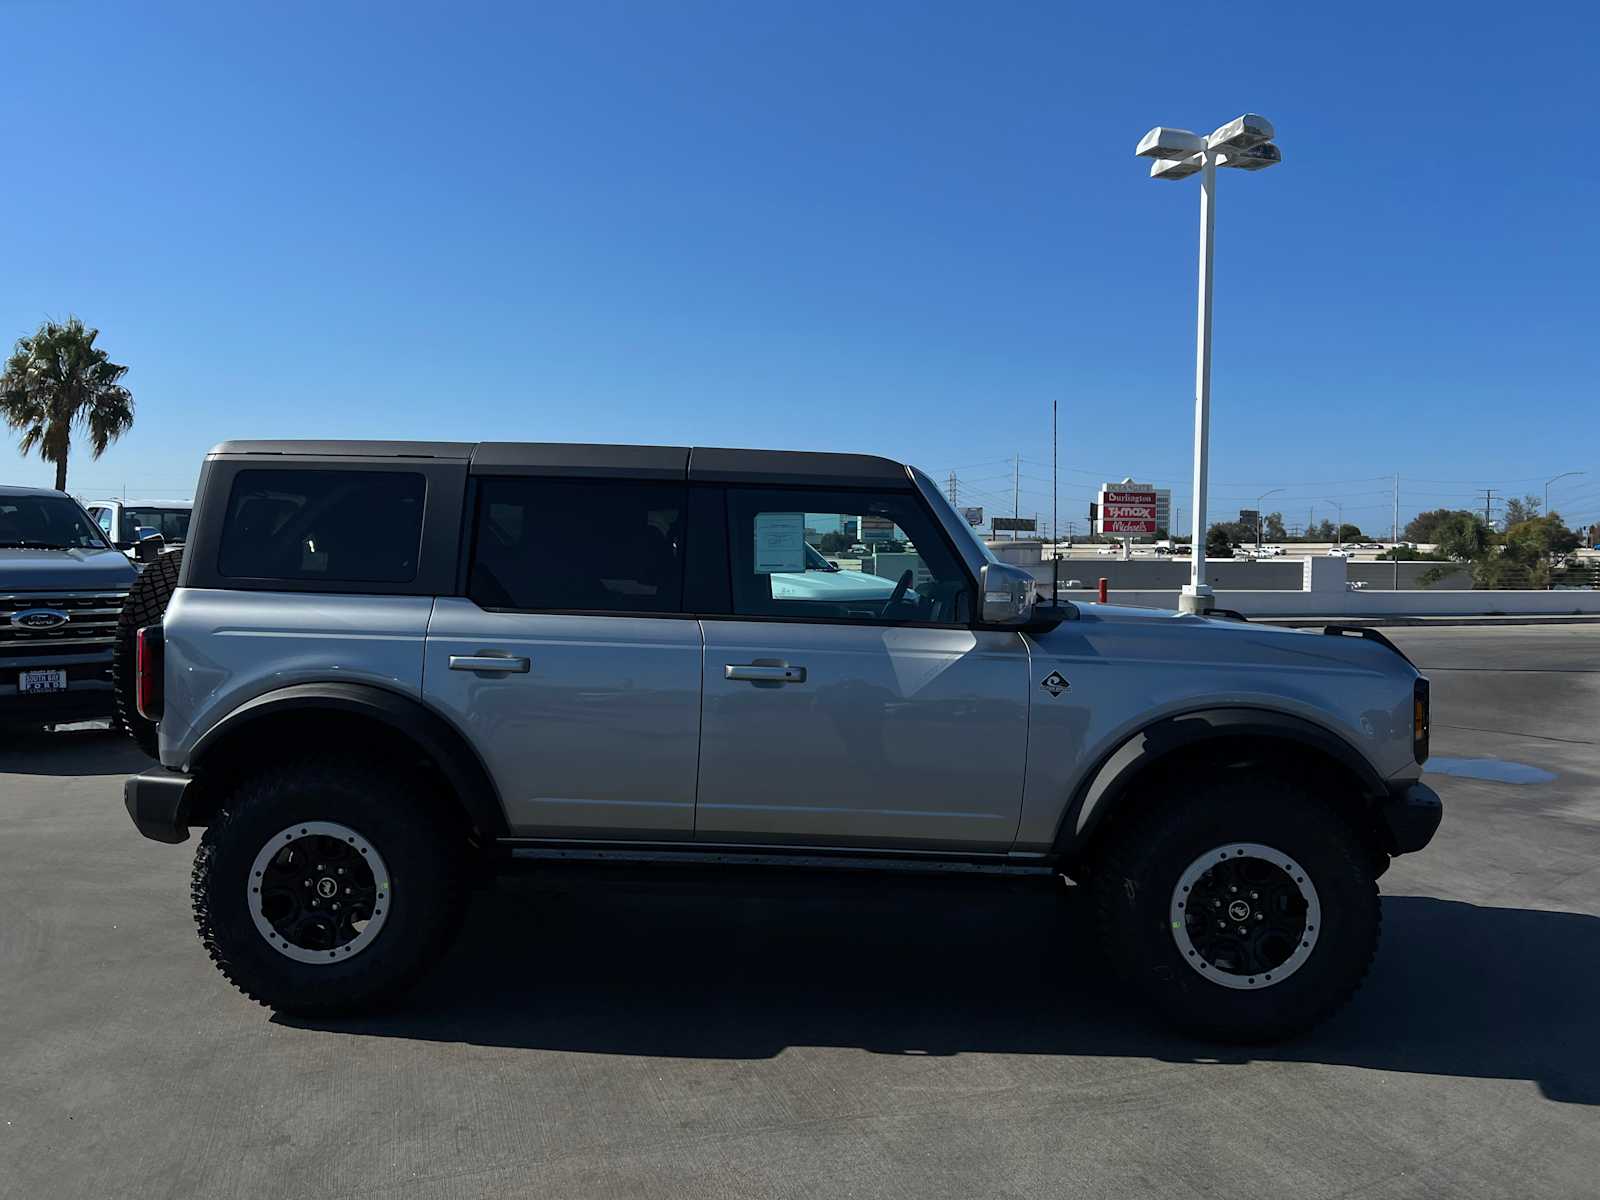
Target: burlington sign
(1123, 511)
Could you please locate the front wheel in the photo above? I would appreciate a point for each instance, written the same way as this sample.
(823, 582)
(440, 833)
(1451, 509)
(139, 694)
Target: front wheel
(327, 886)
(1247, 911)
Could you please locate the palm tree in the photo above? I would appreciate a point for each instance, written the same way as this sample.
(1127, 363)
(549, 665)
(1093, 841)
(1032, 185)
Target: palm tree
(57, 378)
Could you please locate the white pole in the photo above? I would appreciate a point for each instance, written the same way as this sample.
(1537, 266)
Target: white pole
(1197, 596)
(1395, 539)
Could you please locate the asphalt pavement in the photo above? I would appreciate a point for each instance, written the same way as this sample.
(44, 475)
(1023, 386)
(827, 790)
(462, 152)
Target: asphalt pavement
(722, 1036)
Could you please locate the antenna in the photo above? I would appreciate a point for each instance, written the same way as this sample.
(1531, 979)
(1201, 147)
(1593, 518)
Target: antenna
(1055, 489)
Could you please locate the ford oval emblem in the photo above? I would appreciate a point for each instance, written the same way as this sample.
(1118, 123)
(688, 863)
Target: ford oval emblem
(40, 618)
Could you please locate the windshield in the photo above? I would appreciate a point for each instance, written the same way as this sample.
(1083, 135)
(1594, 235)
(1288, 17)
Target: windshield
(937, 497)
(171, 523)
(46, 523)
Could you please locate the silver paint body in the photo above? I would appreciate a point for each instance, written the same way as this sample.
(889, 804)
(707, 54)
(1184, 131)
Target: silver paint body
(623, 728)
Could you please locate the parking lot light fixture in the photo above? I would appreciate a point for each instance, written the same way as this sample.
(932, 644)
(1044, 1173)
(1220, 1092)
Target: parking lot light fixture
(1551, 480)
(1260, 518)
(1244, 143)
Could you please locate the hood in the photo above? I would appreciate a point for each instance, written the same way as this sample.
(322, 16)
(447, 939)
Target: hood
(100, 569)
(1119, 629)
(832, 585)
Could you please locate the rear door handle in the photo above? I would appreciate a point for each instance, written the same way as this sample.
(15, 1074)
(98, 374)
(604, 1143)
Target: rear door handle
(504, 664)
(752, 673)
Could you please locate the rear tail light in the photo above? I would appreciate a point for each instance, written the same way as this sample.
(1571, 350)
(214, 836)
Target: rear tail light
(1419, 719)
(148, 656)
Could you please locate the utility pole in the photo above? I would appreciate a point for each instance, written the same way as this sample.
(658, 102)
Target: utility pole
(1016, 485)
(952, 489)
(1055, 472)
(1488, 499)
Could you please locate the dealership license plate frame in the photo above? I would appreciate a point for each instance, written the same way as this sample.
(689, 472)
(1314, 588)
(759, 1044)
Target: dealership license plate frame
(42, 681)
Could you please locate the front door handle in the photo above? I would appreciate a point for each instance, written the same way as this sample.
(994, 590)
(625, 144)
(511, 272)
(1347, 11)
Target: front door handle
(760, 673)
(504, 664)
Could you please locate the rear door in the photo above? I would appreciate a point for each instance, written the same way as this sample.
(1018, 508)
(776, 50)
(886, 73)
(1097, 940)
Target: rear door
(569, 663)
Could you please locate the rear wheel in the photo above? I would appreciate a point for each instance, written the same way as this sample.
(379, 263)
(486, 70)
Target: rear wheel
(146, 605)
(1246, 912)
(327, 886)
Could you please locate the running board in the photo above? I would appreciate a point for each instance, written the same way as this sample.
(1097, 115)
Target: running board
(814, 862)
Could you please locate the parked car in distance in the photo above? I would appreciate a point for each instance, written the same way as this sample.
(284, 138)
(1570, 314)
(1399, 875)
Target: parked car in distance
(601, 654)
(62, 586)
(127, 523)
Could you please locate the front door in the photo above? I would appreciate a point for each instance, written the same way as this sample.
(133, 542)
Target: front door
(569, 664)
(847, 700)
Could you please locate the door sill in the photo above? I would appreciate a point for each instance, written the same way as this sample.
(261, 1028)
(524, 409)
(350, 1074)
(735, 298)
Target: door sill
(808, 858)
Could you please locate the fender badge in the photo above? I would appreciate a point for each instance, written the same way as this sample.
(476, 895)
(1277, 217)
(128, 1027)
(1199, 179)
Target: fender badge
(1054, 683)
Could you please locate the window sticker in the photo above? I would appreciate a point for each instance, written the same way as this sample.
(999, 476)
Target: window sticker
(780, 542)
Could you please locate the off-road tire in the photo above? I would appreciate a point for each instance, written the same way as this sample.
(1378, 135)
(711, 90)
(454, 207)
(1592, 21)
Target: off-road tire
(1143, 859)
(146, 605)
(423, 848)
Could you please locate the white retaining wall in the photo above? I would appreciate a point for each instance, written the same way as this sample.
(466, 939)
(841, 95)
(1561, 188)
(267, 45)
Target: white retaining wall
(1367, 603)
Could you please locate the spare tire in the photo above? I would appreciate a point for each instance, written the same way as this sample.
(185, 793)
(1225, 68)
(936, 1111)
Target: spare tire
(146, 604)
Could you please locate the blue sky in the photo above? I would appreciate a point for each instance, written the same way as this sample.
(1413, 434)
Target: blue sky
(890, 227)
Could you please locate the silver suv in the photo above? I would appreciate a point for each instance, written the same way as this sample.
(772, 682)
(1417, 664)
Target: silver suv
(387, 667)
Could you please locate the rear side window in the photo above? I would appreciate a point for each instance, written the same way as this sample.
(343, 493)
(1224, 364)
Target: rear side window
(323, 526)
(578, 545)
(171, 523)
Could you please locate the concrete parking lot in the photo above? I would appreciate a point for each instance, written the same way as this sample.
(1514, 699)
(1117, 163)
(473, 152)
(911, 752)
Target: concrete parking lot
(710, 1036)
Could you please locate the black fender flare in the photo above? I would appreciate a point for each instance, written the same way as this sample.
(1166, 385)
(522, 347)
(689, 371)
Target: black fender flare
(438, 739)
(1111, 780)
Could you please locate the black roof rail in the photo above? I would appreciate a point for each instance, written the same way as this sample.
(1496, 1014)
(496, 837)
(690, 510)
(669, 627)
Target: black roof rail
(1366, 631)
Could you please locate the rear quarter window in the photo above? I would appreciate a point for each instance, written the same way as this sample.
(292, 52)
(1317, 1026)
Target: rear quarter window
(323, 526)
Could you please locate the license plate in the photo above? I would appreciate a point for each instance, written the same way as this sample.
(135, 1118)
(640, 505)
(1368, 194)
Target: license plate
(42, 681)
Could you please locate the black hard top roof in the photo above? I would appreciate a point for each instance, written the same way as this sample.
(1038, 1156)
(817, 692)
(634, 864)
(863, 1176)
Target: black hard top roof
(707, 464)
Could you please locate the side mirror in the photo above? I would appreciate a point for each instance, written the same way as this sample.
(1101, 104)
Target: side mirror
(149, 547)
(1007, 594)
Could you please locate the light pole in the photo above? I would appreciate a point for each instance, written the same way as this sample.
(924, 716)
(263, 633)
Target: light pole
(1261, 517)
(1245, 143)
(1548, 482)
(1338, 528)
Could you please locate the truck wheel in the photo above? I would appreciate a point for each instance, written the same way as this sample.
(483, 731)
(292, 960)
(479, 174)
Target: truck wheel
(1247, 911)
(146, 605)
(327, 887)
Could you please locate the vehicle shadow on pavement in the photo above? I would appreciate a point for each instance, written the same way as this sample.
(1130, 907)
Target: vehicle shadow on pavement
(75, 751)
(713, 969)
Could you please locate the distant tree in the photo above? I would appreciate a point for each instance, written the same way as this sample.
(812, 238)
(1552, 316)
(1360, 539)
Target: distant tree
(1350, 533)
(1220, 541)
(1534, 546)
(1272, 527)
(1322, 531)
(834, 543)
(57, 378)
(1424, 527)
(1525, 509)
(1402, 554)
(1464, 537)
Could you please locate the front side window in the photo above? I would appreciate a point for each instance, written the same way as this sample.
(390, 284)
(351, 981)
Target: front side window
(323, 526)
(842, 556)
(578, 545)
(102, 518)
